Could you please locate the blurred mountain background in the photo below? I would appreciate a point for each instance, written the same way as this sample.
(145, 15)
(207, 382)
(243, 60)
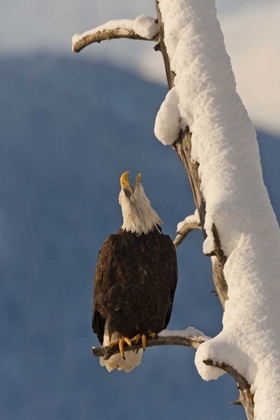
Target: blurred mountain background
(69, 126)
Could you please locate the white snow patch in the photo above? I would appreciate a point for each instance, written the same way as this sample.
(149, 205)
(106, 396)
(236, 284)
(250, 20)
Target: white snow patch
(189, 332)
(76, 38)
(225, 146)
(208, 245)
(167, 125)
(193, 218)
(143, 26)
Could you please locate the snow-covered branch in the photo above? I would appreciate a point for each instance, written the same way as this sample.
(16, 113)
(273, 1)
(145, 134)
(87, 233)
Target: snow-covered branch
(143, 28)
(185, 227)
(246, 396)
(189, 338)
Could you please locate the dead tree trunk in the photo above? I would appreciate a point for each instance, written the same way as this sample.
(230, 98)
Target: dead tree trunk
(183, 147)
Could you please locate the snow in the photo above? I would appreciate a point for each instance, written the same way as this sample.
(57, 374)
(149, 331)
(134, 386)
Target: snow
(189, 332)
(167, 126)
(193, 218)
(225, 146)
(143, 26)
(255, 60)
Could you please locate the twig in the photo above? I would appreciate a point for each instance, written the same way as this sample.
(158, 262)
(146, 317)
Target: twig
(237, 402)
(172, 340)
(186, 229)
(246, 397)
(104, 33)
(229, 369)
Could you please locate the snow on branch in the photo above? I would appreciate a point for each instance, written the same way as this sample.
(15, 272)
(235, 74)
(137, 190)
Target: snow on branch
(189, 338)
(143, 28)
(185, 227)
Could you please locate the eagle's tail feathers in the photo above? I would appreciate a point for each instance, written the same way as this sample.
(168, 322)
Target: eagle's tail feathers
(117, 362)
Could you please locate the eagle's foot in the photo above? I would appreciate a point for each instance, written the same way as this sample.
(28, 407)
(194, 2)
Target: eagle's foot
(121, 343)
(143, 338)
(136, 339)
(113, 344)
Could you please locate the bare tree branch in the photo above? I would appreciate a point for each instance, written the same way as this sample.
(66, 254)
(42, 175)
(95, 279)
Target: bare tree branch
(168, 340)
(246, 397)
(104, 33)
(186, 229)
(175, 339)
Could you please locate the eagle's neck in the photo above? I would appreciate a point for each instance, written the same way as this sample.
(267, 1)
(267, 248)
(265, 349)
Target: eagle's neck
(138, 215)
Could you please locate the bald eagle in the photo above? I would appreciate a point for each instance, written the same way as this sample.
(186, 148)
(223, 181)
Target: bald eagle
(135, 279)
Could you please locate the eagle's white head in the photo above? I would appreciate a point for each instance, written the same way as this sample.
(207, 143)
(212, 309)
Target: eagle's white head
(138, 215)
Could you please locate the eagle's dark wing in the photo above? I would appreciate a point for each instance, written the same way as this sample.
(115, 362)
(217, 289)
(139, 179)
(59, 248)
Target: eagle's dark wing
(105, 287)
(171, 264)
(134, 285)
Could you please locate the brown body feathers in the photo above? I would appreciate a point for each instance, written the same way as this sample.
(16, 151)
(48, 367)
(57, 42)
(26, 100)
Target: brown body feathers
(135, 282)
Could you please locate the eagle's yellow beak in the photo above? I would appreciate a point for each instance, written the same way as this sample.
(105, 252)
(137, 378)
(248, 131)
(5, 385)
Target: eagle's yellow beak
(125, 185)
(138, 179)
(124, 181)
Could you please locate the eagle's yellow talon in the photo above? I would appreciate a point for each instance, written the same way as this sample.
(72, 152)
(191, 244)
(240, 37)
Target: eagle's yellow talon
(114, 343)
(125, 340)
(120, 343)
(128, 341)
(121, 347)
(136, 338)
(144, 341)
(143, 338)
